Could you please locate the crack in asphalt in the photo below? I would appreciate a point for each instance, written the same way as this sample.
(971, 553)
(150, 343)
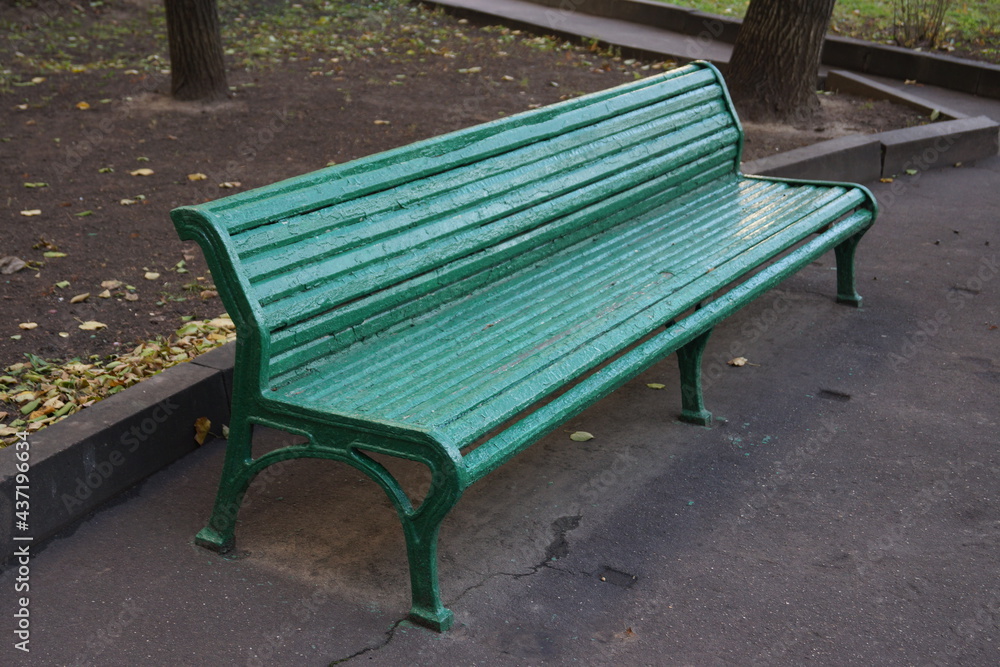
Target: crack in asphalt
(558, 548)
(389, 634)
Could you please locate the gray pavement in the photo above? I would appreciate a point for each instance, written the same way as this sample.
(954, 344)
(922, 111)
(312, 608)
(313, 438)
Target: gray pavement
(844, 510)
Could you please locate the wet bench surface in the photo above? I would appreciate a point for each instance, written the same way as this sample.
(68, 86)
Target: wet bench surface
(428, 302)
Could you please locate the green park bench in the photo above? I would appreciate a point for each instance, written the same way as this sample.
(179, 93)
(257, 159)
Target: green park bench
(452, 301)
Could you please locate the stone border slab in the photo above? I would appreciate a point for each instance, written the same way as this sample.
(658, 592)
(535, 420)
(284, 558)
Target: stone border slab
(84, 460)
(938, 144)
(854, 158)
(853, 84)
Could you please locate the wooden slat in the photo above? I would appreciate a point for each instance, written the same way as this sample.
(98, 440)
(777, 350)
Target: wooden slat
(271, 238)
(378, 172)
(504, 446)
(455, 227)
(487, 267)
(410, 376)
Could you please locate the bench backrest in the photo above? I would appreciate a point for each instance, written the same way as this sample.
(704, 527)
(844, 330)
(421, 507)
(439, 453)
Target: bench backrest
(313, 263)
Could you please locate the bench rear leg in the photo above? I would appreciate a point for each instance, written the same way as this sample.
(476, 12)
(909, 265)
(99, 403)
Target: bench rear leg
(692, 402)
(846, 291)
(219, 534)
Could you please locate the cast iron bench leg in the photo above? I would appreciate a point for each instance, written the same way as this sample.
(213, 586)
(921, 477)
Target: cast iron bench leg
(692, 402)
(846, 291)
(219, 534)
(421, 528)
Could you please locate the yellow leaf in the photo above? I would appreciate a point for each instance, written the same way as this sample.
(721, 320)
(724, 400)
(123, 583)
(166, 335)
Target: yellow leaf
(145, 171)
(31, 212)
(82, 106)
(28, 325)
(106, 294)
(80, 298)
(886, 180)
(111, 284)
(738, 361)
(381, 122)
(92, 325)
(64, 334)
(230, 184)
(151, 275)
(581, 436)
(201, 427)
(656, 385)
(197, 177)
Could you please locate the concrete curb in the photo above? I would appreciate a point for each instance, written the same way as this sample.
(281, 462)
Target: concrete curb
(82, 461)
(869, 157)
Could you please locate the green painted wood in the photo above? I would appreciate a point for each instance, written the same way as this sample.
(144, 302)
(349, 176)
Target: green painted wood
(470, 292)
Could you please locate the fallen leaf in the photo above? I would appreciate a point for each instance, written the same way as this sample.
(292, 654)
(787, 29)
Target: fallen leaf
(83, 214)
(128, 202)
(28, 326)
(581, 436)
(93, 326)
(36, 185)
(31, 212)
(886, 180)
(737, 361)
(935, 114)
(106, 294)
(145, 171)
(381, 122)
(53, 254)
(80, 298)
(131, 296)
(910, 82)
(151, 275)
(230, 184)
(225, 430)
(64, 334)
(62, 284)
(208, 294)
(111, 284)
(11, 264)
(38, 79)
(82, 106)
(197, 177)
(201, 427)
(656, 385)
(911, 172)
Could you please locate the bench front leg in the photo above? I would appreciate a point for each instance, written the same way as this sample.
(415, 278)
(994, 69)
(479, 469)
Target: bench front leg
(692, 402)
(219, 534)
(846, 290)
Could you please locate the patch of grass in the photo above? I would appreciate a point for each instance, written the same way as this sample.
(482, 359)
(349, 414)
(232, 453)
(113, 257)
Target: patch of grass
(971, 28)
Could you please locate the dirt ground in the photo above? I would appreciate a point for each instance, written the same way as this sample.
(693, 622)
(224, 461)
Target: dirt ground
(86, 135)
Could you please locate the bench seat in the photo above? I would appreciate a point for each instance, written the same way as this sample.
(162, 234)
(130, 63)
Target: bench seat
(462, 370)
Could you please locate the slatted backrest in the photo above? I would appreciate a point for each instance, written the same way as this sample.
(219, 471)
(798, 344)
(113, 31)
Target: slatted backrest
(317, 262)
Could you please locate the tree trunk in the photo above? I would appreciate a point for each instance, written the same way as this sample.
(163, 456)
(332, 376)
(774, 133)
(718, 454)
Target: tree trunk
(774, 67)
(197, 71)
